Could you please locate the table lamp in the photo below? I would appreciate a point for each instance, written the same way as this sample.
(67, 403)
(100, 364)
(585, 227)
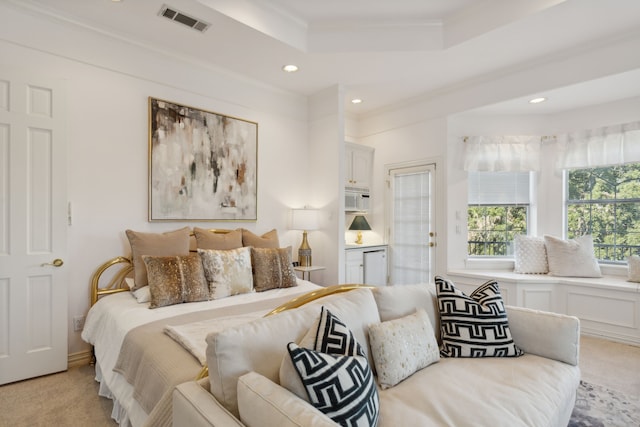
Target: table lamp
(305, 220)
(360, 224)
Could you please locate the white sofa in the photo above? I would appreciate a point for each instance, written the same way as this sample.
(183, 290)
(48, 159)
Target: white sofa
(536, 389)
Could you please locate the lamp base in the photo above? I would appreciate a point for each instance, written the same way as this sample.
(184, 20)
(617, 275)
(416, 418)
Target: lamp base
(359, 238)
(304, 252)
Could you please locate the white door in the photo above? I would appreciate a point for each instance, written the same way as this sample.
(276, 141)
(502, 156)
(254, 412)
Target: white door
(33, 227)
(411, 223)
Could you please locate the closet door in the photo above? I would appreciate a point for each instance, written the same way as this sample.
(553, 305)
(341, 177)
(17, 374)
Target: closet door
(33, 227)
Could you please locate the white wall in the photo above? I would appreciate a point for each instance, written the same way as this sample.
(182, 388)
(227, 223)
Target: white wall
(108, 84)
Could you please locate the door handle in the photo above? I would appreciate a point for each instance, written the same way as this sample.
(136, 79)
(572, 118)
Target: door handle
(56, 263)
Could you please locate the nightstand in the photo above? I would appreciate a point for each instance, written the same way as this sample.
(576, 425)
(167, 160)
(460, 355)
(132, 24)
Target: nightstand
(308, 270)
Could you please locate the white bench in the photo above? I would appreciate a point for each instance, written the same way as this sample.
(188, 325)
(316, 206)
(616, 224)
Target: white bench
(607, 306)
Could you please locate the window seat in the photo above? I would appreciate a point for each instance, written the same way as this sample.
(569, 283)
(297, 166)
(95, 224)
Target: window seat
(607, 306)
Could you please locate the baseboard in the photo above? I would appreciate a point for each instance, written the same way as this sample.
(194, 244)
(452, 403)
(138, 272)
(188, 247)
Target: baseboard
(79, 359)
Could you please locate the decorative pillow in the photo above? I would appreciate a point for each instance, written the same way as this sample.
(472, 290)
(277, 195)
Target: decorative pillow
(208, 240)
(267, 240)
(171, 243)
(341, 387)
(634, 268)
(228, 272)
(573, 257)
(327, 334)
(530, 255)
(402, 346)
(474, 325)
(175, 279)
(272, 268)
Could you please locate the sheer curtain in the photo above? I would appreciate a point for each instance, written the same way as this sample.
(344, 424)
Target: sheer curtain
(611, 145)
(502, 153)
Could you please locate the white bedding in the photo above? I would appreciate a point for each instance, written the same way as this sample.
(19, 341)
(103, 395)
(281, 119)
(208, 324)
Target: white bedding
(113, 316)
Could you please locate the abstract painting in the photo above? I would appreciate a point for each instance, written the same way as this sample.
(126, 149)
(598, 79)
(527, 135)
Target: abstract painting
(202, 165)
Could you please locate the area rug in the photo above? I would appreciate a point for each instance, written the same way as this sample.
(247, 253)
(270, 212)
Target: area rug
(597, 406)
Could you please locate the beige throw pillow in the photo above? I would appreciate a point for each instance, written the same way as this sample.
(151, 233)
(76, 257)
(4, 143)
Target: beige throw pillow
(171, 243)
(267, 240)
(572, 258)
(207, 239)
(228, 272)
(402, 347)
(175, 279)
(272, 268)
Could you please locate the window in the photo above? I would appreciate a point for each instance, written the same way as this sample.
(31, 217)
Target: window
(498, 210)
(605, 202)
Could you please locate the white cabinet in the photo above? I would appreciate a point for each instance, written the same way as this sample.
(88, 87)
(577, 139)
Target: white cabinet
(359, 163)
(366, 265)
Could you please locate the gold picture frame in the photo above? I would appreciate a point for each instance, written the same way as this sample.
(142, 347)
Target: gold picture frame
(203, 166)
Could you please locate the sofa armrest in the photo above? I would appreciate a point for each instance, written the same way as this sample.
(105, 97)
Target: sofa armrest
(551, 335)
(262, 402)
(195, 406)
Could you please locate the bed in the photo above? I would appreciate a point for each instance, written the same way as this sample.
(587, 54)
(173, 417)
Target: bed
(141, 353)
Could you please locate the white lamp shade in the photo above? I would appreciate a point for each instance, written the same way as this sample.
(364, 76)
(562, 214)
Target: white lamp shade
(304, 219)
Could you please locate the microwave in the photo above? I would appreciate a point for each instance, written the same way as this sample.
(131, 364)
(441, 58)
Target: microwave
(356, 199)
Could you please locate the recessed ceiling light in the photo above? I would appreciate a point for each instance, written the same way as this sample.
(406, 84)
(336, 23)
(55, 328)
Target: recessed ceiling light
(537, 100)
(356, 101)
(290, 68)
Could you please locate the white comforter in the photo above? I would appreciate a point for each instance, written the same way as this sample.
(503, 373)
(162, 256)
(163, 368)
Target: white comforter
(113, 316)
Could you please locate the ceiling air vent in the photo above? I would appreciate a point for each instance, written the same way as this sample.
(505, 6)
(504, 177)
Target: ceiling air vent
(177, 16)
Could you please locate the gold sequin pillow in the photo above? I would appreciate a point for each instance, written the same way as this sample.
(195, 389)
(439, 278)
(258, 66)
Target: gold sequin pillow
(175, 279)
(272, 268)
(227, 271)
(402, 346)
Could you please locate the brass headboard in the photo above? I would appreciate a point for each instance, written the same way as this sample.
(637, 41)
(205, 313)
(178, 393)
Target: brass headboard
(117, 283)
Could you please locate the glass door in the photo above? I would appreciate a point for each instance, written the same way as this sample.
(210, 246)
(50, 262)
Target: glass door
(411, 223)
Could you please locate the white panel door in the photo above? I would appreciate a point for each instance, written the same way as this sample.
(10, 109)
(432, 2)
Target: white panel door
(33, 227)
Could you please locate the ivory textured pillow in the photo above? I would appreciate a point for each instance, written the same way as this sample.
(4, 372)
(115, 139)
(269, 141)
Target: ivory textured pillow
(530, 255)
(228, 272)
(574, 257)
(175, 279)
(634, 268)
(402, 346)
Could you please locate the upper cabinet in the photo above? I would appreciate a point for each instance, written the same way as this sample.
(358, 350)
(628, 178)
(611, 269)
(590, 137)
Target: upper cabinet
(359, 163)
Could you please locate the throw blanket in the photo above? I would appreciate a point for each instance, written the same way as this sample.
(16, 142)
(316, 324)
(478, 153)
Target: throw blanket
(153, 363)
(192, 336)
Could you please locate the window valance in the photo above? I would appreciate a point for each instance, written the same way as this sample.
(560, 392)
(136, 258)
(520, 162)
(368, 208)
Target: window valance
(502, 153)
(610, 145)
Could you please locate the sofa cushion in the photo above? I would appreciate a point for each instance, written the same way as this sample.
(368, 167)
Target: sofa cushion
(401, 300)
(402, 346)
(573, 257)
(633, 274)
(341, 387)
(262, 402)
(260, 345)
(474, 325)
(530, 255)
(527, 391)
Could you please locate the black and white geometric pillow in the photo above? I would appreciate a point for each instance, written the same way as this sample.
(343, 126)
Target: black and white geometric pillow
(474, 325)
(334, 337)
(341, 387)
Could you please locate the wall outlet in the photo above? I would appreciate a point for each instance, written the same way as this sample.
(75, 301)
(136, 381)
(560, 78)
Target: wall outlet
(78, 323)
